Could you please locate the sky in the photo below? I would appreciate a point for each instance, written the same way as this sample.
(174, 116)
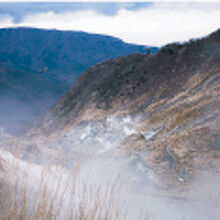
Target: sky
(146, 23)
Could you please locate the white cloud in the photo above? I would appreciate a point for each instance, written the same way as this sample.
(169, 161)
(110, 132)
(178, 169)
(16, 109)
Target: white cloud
(156, 25)
(6, 21)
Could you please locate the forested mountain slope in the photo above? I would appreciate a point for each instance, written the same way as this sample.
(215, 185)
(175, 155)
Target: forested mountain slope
(37, 66)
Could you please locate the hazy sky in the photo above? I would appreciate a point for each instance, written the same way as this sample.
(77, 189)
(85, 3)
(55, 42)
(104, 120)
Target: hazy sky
(141, 23)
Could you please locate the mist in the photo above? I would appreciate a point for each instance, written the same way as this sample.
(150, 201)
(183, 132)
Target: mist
(93, 160)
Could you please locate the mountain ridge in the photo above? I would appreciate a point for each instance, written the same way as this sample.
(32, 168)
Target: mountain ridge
(137, 81)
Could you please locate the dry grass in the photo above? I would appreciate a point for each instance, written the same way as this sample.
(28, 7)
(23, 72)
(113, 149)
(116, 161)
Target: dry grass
(178, 116)
(184, 115)
(56, 194)
(159, 117)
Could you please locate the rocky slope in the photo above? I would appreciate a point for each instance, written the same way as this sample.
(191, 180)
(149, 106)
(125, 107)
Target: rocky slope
(176, 95)
(140, 82)
(38, 66)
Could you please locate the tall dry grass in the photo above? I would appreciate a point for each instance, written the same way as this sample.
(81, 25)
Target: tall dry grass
(48, 193)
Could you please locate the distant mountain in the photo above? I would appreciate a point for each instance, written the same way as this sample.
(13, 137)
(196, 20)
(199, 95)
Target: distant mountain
(38, 66)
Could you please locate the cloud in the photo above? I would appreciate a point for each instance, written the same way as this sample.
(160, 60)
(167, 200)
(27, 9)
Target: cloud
(157, 25)
(6, 21)
(19, 10)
